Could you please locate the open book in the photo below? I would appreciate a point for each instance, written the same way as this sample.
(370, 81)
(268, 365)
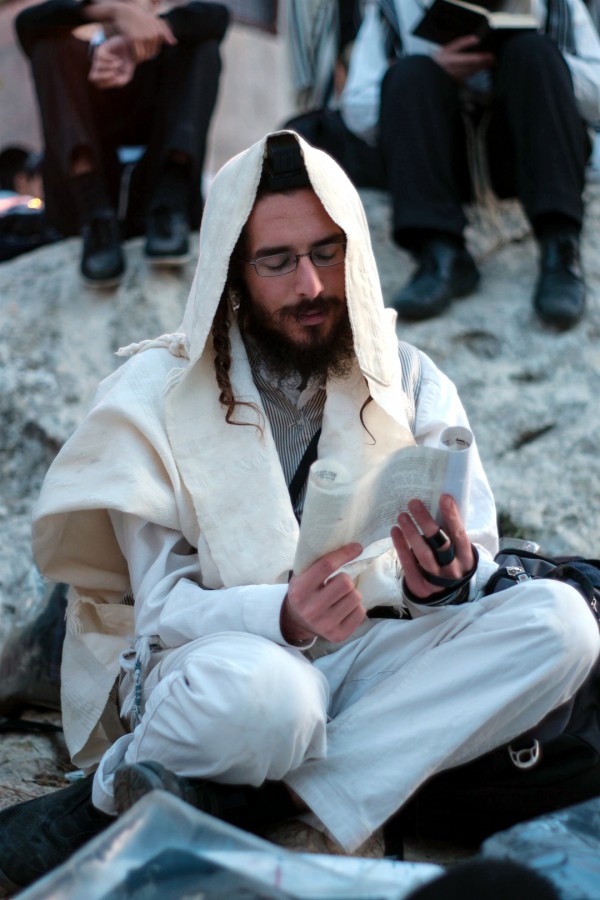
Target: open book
(446, 20)
(338, 510)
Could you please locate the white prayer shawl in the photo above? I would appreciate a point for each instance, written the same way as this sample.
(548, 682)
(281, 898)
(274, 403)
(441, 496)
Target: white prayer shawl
(155, 444)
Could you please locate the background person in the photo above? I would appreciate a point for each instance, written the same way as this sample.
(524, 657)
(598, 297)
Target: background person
(119, 73)
(532, 104)
(23, 225)
(20, 171)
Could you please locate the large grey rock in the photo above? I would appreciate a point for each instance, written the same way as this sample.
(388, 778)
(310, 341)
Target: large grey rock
(531, 394)
(57, 340)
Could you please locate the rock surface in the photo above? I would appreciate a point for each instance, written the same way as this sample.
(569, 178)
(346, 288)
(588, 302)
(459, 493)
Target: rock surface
(531, 394)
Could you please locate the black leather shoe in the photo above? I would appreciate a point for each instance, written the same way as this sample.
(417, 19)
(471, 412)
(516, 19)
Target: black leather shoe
(167, 237)
(102, 262)
(40, 834)
(243, 806)
(446, 270)
(559, 297)
(134, 781)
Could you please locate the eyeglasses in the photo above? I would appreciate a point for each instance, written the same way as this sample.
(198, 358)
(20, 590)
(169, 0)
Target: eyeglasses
(284, 263)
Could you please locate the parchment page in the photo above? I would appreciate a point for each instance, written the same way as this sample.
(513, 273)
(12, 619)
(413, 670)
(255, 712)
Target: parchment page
(338, 510)
(457, 441)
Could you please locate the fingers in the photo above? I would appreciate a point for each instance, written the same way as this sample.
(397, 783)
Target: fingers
(316, 606)
(460, 44)
(456, 530)
(410, 569)
(168, 36)
(330, 562)
(109, 77)
(416, 554)
(461, 58)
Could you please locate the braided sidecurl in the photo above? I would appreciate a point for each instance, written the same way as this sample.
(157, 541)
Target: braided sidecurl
(222, 347)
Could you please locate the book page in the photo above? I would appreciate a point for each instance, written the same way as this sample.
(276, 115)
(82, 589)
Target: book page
(338, 510)
(512, 20)
(445, 20)
(512, 8)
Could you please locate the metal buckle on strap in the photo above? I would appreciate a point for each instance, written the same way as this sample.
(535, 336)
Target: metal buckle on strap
(526, 757)
(517, 573)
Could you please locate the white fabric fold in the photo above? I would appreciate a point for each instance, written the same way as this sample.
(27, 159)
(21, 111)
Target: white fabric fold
(155, 445)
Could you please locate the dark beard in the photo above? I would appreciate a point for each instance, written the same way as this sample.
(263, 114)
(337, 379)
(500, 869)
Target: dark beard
(330, 356)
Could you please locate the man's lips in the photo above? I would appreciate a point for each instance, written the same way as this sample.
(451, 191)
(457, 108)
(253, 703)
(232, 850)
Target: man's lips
(315, 317)
(312, 313)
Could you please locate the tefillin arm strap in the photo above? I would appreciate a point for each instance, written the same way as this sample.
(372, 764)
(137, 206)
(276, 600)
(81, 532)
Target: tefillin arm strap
(301, 473)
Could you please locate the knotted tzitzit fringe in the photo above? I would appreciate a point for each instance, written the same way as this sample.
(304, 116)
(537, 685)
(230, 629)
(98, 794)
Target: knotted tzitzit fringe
(143, 647)
(487, 207)
(176, 343)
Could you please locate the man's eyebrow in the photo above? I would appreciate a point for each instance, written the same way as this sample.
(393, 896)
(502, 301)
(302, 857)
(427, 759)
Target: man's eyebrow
(336, 237)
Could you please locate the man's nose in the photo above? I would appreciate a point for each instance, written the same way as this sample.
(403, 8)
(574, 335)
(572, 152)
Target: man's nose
(308, 278)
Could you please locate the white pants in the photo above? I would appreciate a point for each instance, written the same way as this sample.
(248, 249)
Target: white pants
(357, 732)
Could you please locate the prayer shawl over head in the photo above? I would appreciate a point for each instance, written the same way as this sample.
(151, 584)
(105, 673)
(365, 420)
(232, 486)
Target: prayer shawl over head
(155, 444)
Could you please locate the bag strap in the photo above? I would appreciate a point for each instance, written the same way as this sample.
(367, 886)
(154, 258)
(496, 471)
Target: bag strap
(301, 473)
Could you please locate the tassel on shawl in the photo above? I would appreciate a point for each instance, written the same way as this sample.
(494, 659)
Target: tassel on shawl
(176, 343)
(138, 662)
(488, 209)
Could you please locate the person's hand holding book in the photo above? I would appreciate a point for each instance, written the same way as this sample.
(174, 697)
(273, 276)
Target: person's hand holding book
(319, 605)
(461, 59)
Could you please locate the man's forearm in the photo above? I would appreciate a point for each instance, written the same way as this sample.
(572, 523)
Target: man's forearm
(191, 22)
(44, 19)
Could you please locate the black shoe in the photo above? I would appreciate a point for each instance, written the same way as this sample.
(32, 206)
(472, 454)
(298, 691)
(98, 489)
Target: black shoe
(40, 834)
(446, 270)
(167, 237)
(132, 782)
(102, 262)
(245, 807)
(559, 297)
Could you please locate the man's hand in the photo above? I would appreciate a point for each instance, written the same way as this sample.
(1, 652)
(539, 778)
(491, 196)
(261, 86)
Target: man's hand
(112, 64)
(144, 30)
(136, 22)
(460, 60)
(412, 548)
(314, 609)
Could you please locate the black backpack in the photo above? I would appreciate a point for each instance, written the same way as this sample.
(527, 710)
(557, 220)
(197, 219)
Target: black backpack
(556, 764)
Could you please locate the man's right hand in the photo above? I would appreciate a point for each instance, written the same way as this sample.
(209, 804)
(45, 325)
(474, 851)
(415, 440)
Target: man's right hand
(145, 31)
(137, 23)
(460, 60)
(314, 609)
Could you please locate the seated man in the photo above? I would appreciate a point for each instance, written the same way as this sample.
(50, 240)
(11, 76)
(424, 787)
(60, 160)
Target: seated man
(255, 694)
(117, 73)
(23, 224)
(533, 101)
(20, 172)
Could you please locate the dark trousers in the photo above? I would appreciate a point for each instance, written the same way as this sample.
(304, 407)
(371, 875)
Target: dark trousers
(167, 106)
(537, 143)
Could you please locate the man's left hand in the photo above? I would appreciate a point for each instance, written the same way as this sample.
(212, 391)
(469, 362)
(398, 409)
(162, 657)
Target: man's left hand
(415, 554)
(113, 64)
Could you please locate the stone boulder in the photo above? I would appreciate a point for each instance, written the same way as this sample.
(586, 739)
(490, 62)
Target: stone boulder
(531, 394)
